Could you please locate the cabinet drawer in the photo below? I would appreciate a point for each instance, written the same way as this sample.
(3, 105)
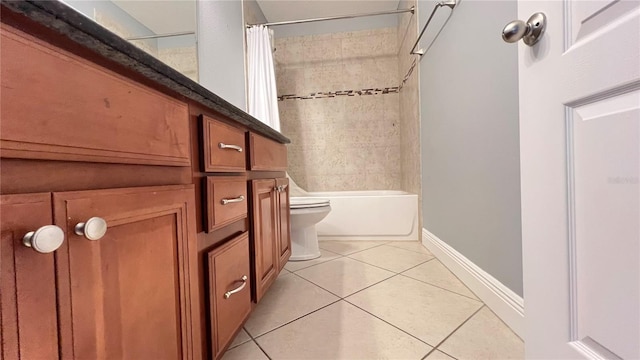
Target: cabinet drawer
(58, 106)
(267, 154)
(223, 147)
(230, 290)
(226, 199)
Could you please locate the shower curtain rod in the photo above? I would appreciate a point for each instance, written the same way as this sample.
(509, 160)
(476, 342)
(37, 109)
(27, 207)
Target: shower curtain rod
(412, 10)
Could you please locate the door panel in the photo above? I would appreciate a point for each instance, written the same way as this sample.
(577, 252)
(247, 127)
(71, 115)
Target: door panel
(129, 291)
(590, 16)
(264, 235)
(284, 227)
(606, 224)
(580, 150)
(27, 282)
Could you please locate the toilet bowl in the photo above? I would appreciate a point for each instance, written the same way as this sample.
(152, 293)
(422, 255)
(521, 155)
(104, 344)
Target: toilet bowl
(306, 212)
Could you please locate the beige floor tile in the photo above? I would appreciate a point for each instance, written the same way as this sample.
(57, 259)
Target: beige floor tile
(240, 339)
(288, 298)
(427, 312)
(349, 247)
(391, 258)
(341, 331)
(439, 355)
(433, 272)
(297, 265)
(344, 276)
(410, 245)
(484, 336)
(246, 351)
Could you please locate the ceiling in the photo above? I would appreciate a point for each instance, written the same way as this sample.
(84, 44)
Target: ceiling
(283, 10)
(162, 17)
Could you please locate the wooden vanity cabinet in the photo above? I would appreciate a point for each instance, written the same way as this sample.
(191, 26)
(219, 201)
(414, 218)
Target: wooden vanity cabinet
(127, 293)
(196, 207)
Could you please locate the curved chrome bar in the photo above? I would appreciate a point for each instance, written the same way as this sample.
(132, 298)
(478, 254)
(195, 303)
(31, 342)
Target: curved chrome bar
(448, 3)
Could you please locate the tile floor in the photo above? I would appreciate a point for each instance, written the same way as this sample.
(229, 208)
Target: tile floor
(372, 300)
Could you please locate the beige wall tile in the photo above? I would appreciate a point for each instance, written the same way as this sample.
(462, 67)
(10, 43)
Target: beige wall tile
(339, 142)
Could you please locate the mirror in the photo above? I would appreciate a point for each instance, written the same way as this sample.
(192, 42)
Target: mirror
(164, 29)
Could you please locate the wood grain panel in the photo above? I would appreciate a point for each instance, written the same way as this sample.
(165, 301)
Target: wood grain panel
(284, 223)
(28, 317)
(266, 155)
(264, 241)
(27, 176)
(227, 265)
(130, 294)
(217, 159)
(225, 187)
(58, 106)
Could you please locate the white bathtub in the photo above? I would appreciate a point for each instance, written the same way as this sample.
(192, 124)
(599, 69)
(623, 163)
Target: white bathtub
(369, 215)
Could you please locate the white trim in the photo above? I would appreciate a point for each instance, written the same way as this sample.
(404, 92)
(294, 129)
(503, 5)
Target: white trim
(508, 305)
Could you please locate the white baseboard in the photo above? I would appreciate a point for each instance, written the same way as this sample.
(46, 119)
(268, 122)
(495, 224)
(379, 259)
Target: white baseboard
(508, 305)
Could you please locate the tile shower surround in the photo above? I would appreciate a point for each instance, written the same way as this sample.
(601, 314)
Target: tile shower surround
(340, 107)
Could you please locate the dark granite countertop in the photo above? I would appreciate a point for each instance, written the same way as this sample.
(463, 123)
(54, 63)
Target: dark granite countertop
(83, 31)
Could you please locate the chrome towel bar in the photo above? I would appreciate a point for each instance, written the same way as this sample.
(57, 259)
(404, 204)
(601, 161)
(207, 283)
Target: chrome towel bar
(449, 3)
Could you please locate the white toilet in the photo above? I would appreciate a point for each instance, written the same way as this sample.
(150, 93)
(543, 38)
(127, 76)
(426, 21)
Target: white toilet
(306, 212)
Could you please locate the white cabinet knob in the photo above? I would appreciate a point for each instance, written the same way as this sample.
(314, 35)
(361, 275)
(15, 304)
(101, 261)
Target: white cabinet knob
(92, 229)
(44, 240)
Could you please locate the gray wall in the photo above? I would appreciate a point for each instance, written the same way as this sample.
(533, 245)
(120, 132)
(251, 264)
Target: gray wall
(470, 143)
(221, 49)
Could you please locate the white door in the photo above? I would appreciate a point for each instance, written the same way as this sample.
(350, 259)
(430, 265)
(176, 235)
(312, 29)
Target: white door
(580, 155)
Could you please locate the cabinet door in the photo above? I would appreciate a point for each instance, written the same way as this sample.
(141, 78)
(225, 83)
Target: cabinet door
(27, 282)
(284, 234)
(264, 235)
(127, 294)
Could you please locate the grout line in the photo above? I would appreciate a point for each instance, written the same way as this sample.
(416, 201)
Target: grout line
(343, 297)
(435, 350)
(258, 345)
(316, 264)
(312, 283)
(399, 247)
(395, 272)
(390, 324)
(415, 266)
(296, 319)
(440, 287)
(453, 332)
(355, 252)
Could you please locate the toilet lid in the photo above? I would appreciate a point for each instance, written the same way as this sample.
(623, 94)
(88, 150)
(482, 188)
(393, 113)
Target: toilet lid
(308, 202)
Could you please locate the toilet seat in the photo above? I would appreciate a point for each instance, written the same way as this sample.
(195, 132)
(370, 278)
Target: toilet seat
(307, 202)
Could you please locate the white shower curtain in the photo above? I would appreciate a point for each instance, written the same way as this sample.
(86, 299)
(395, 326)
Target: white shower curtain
(263, 98)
